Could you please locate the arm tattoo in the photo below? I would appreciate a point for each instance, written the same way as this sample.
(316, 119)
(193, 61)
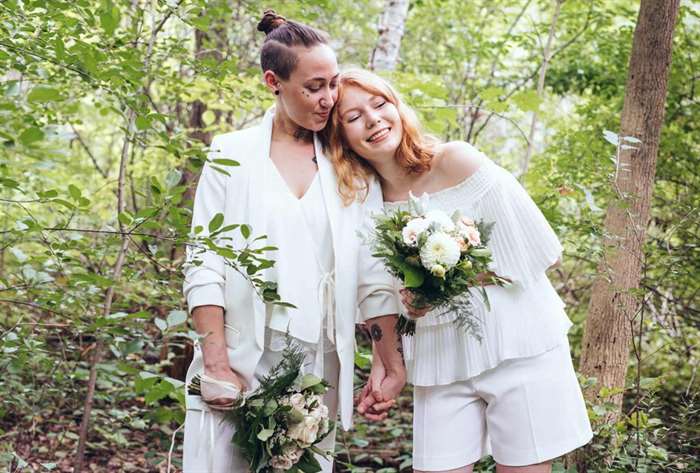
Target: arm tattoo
(376, 332)
(400, 347)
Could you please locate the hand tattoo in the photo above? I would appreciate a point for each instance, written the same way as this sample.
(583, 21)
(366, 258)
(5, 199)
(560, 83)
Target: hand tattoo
(376, 332)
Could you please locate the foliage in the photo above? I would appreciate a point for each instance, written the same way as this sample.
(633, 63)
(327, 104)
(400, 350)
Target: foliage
(106, 109)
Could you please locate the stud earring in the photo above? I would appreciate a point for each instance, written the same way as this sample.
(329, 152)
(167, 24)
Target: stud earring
(277, 92)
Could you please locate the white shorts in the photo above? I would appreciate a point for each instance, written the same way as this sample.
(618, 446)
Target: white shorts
(524, 411)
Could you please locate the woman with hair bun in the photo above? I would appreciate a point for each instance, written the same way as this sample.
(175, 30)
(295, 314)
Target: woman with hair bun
(513, 393)
(285, 188)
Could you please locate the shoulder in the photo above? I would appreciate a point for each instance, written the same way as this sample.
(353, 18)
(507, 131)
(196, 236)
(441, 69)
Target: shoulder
(457, 160)
(231, 140)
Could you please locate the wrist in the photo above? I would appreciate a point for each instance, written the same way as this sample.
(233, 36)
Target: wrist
(396, 369)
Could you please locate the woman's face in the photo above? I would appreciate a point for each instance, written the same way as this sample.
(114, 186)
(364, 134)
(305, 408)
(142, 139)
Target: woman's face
(312, 89)
(371, 124)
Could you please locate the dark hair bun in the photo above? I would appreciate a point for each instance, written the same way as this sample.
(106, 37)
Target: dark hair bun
(270, 21)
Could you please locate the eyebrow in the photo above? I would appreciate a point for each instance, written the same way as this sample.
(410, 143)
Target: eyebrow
(322, 79)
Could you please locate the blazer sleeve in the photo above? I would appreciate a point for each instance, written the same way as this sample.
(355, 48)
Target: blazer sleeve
(375, 286)
(204, 269)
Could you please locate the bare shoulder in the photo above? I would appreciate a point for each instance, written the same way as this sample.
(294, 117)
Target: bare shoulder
(457, 160)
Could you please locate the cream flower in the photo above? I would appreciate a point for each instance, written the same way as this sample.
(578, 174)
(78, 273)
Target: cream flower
(441, 220)
(305, 431)
(473, 236)
(413, 229)
(440, 249)
(438, 270)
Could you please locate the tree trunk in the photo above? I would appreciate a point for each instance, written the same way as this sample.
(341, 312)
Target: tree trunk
(614, 299)
(546, 57)
(386, 53)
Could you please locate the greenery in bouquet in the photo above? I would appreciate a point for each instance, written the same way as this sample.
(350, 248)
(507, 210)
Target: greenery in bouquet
(437, 257)
(281, 423)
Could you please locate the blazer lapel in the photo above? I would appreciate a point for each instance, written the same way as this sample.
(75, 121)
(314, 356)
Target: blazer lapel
(257, 206)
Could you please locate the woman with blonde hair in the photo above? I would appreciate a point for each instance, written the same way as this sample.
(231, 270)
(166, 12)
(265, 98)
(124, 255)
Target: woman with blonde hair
(514, 393)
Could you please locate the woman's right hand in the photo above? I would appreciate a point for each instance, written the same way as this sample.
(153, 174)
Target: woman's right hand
(221, 387)
(407, 300)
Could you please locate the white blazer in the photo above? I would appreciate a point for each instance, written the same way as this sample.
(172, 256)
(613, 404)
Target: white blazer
(241, 198)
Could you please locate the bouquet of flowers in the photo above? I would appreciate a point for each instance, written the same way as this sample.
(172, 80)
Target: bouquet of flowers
(438, 257)
(279, 425)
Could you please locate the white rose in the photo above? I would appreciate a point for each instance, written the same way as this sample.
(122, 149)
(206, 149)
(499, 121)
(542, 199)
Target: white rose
(441, 220)
(440, 248)
(305, 431)
(413, 229)
(297, 401)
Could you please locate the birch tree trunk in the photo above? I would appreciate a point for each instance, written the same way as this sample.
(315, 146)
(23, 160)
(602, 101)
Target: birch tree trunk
(385, 55)
(546, 57)
(614, 299)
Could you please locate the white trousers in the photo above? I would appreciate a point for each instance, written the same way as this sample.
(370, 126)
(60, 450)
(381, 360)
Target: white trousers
(207, 446)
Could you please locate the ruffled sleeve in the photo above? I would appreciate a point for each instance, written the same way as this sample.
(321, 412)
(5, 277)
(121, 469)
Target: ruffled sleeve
(204, 269)
(523, 243)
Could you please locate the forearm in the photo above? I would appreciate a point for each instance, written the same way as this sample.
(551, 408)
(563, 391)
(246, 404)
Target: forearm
(209, 322)
(386, 343)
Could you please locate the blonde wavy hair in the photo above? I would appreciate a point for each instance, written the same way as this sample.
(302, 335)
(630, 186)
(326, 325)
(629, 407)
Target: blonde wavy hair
(415, 152)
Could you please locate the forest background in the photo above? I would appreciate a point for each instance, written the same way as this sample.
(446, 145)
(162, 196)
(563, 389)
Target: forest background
(107, 109)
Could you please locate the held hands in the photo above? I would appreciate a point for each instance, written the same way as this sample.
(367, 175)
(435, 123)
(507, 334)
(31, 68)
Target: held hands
(379, 395)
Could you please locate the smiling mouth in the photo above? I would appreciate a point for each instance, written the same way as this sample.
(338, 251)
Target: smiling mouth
(379, 135)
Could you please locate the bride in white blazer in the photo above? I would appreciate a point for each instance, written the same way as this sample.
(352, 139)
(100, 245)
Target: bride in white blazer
(285, 188)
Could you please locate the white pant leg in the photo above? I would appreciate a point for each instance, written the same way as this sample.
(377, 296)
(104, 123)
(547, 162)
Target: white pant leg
(207, 444)
(331, 370)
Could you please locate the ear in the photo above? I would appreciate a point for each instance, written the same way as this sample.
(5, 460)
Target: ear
(271, 80)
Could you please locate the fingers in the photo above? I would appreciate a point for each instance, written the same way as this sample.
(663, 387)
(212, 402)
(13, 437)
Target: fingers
(384, 406)
(365, 404)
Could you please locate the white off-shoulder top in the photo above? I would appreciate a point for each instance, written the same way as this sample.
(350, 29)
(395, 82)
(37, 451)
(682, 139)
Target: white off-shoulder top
(526, 318)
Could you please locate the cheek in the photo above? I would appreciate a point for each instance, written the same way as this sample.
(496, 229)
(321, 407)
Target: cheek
(353, 136)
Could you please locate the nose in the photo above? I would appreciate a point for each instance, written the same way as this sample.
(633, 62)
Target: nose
(327, 99)
(372, 118)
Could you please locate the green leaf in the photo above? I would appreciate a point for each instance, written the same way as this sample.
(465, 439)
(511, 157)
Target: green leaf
(208, 117)
(161, 324)
(125, 218)
(216, 222)
(245, 231)
(109, 19)
(176, 317)
(43, 94)
(142, 122)
(159, 391)
(265, 434)
(413, 277)
(173, 178)
(74, 192)
(527, 100)
(31, 136)
(226, 162)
